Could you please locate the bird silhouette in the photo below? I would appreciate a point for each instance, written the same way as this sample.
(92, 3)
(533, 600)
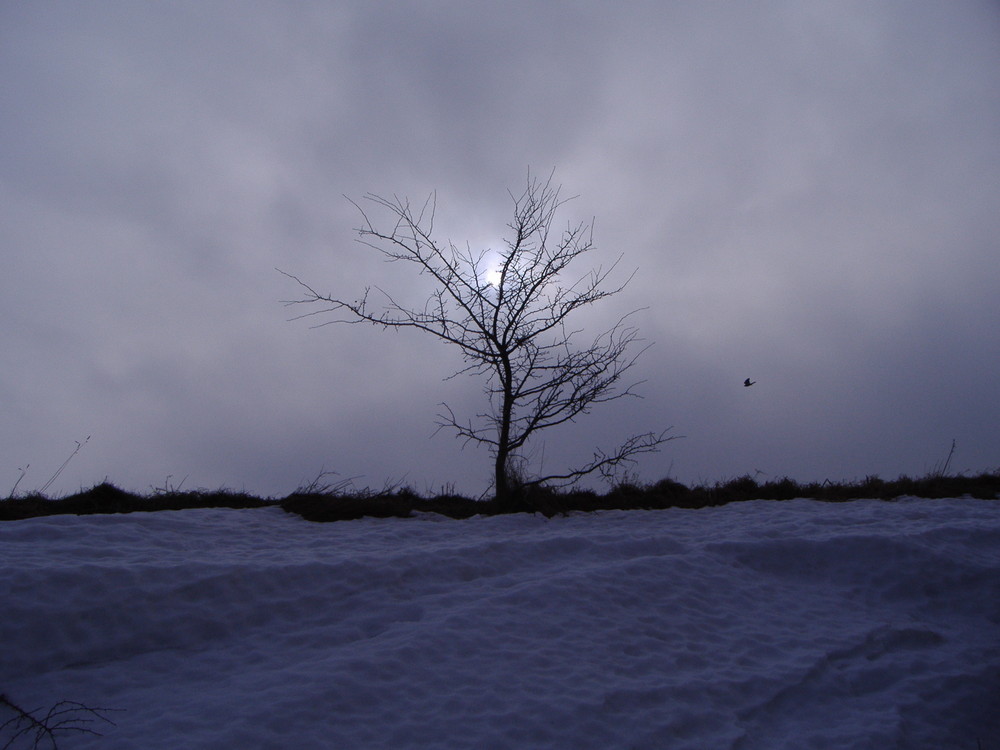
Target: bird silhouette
(748, 382)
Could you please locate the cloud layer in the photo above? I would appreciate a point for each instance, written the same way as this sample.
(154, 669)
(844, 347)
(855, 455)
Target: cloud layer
(808, 190)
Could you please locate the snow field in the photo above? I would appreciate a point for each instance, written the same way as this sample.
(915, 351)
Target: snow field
(756, 625)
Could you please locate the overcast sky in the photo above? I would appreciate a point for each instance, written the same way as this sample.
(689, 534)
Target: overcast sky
(810, 192)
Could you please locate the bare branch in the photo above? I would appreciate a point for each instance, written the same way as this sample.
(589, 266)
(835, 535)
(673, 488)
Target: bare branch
(62, 718)
(608, 465)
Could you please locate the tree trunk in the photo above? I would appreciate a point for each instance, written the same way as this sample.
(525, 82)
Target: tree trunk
(501, 476)
(502, 488)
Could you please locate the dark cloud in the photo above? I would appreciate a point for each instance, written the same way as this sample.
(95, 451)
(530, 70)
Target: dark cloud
(808, 191)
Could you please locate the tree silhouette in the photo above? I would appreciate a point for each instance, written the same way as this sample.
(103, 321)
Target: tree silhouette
(508, 312)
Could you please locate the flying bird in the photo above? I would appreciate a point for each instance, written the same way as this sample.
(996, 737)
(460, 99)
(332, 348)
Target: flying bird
(748, 382)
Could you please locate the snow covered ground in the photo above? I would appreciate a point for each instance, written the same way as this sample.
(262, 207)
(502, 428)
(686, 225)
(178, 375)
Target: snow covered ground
(757, 625)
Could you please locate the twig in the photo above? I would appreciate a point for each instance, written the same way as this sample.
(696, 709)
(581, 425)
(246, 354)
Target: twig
(64, 716)
(319, 485)
(168, 488)
(13, 490)
(947, 462)
(79, 445)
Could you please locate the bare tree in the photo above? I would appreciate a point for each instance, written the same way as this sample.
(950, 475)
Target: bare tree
(508, 312)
